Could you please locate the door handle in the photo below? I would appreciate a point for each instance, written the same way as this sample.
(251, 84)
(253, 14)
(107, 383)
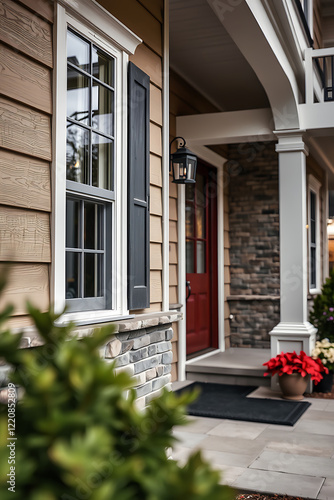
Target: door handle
(189, 289)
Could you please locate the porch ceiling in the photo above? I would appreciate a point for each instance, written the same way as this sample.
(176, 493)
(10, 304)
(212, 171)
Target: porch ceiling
(204, 54)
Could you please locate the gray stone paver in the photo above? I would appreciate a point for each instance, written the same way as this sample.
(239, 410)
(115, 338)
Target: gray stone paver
(327, 490)
(297, 461)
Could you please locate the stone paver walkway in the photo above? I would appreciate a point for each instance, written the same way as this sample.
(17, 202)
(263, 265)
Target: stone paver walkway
(297, 461)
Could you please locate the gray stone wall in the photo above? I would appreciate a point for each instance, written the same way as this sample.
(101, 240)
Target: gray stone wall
(254, 242)
(147, 356)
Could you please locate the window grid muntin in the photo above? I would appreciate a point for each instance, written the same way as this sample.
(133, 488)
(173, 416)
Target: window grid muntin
(89, 127)
(82, 251)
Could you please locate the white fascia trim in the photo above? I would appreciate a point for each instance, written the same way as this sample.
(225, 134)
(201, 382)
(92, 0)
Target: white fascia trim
(206, 154)
(227, 127)
(165, 164)
(181, 276)
(90, 12)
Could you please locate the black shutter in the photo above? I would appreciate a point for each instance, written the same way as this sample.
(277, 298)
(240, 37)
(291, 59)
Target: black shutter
(138, 188)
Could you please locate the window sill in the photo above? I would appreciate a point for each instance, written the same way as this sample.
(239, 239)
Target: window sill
(314, 291)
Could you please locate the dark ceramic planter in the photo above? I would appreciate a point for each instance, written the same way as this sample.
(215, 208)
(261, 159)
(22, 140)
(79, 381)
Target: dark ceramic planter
(326, 384)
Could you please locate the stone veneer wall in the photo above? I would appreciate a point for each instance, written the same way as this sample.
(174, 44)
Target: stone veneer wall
(141, 347)
(254, 243)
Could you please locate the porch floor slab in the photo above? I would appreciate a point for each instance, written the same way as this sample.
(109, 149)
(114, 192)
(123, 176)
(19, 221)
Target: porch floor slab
(234, 366)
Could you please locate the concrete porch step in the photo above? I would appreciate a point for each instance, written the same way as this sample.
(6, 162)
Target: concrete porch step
(237, 366)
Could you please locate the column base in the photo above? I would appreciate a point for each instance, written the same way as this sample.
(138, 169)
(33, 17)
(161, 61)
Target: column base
(288, 337)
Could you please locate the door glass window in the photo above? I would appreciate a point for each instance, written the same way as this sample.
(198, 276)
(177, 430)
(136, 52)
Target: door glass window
(196, 226)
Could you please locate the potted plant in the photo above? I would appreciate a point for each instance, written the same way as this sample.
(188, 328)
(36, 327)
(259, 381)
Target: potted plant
(294, 371)
(324, 350)
(322, 313)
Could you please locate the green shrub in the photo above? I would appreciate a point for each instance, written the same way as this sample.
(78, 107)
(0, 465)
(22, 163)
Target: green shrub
(322, 313)
(79, 434)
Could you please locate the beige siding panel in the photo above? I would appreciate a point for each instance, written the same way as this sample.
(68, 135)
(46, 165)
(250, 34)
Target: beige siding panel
(43, 7)
(173, 295)
(226, 257)
(172, 253)
(226, 222)
(149, 62)
(227, 277)
(226, 239)
(24, 235)
(227, 290)
(189, 95)
(27, 282)
(25, 80)
(173, 231)
(173, 190)
(156, 202)
(226, 205)
(155, 229)
(138, 19)
(155, 139)
(156, 7)
(175, 327)
(157, 307)
(24, 182)
(24, 31)
(175, 353)
(226, 310)
(18, 322)
(173, 275)
(173, 209)
(155, 105)
(156, 286)
(155, 256)
(24, 130)
(155, 170)
(174, 372)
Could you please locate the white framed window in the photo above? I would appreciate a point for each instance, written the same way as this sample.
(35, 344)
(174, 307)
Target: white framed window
(314, 242)
(90, 162)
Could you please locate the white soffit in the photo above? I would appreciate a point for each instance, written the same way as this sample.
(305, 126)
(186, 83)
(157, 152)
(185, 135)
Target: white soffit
(227, 127)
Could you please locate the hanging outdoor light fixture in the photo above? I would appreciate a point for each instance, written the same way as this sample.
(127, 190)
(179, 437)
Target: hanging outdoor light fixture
(183, 164)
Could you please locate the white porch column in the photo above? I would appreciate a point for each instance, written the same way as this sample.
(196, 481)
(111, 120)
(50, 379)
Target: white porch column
(293, 332)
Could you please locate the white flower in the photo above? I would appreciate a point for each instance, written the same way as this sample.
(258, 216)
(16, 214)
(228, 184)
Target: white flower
(324, 361)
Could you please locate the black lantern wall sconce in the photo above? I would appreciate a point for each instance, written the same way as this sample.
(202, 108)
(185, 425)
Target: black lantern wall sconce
(183, 163)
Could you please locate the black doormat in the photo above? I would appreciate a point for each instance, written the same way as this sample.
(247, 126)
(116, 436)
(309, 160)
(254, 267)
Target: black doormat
(230, 402)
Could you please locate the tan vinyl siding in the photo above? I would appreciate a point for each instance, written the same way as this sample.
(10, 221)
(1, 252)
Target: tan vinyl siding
(25, 151)
(145, 19)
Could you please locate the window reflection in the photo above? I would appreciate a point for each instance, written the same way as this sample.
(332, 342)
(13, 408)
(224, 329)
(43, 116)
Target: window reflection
(103, 67)
(77, 154)
(102, 162)
(77, 51)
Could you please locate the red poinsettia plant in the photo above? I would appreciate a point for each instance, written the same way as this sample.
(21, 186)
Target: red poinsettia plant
(291, 362)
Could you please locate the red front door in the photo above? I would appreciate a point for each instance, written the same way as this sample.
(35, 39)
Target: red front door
(201, 261)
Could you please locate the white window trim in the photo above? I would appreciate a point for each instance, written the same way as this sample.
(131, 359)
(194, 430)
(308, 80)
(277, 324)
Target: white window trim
(95, 23)
(315, 186)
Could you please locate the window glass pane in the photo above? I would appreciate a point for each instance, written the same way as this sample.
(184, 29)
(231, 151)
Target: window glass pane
(102, 109)
(73, 224)
(190, 192)
(77, 51)
(73, 264)
(200, 222)
(77, 154)
(103, 67)
(102, 162)
(313, 268)
(200, 190)
(190, 226)
(77, 96)
(93, 275)
(200, 257)
(93, 233)
(190, 257)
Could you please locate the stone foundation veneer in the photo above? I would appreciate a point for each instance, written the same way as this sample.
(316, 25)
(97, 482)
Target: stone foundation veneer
(140, 346)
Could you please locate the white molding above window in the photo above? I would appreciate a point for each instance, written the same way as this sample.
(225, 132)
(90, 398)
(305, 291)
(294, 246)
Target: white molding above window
(71, 13)
(314, 186)
(93, 14)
